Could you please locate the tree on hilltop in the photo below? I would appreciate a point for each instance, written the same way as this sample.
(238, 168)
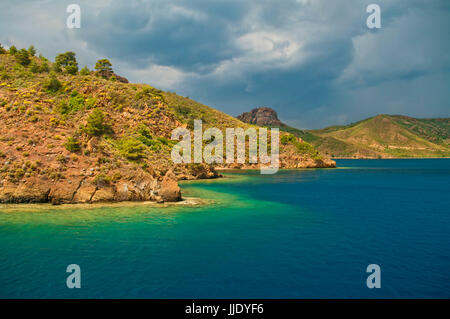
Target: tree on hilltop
(23, 57)
(104, 68)
(85, 71)
(12, 50)
(32, 50)
(68, 61)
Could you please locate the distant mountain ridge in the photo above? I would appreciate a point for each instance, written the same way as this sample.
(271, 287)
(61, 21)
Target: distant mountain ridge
(381, 136)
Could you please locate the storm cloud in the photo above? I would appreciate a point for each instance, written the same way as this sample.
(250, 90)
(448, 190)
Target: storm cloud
(314, 61)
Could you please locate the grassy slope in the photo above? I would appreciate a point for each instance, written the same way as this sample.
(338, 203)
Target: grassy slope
(386, 136)
(188, 110)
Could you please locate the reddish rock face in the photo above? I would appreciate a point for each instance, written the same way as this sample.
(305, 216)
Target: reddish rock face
(262, 116)
(32, 191)
(170, 191)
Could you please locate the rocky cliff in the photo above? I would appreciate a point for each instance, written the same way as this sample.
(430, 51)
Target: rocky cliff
(262, 116)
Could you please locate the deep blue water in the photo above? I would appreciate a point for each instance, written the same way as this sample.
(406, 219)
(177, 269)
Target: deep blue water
(296, 234)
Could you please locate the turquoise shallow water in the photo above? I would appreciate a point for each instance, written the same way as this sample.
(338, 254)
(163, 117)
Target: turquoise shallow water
(296, 234)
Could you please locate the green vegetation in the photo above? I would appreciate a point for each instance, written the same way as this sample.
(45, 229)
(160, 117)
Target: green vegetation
(72, 145)
(73, 105)
(104, 68)
(102, 180)
(113, 126)
(52, 84)
(145, 136)
(34, 67)
(301, 147)
(187, 110)
(32, 50)
(12, 50)
(85, 71)
(96, 125)
(131, 148)
(68, 61)
(386, 136)
(44, 67)
(23, 57)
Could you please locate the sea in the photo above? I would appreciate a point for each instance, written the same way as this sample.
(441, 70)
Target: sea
(307, 233)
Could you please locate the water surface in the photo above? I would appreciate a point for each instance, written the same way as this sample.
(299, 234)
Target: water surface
(297, 234)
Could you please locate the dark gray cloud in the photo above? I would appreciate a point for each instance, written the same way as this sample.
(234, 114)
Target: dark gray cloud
(315, 62)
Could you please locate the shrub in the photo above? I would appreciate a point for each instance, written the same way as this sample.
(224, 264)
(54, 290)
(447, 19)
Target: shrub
(43, 58)
(61, 158)
(102, 180)
(116, 176)
(131, 148)
(19, 173)
(301, 147)
(2, 50)
(12, 50)
(149, 92)
(288, 139)
(44, 67)
(75, 104)
(306, 148)
(52, 84)
(72, 145)
(23, 57)
(76, 101)
(145, 135)
(164, 140)
(54, 121)
(85, 71)
(32, 50)
(96, 125)
(56, 68)
(72, 69)
(34, 119)
(90, 103)
(34, 67)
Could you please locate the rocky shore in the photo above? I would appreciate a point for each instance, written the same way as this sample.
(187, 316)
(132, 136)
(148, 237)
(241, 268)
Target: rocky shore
(83, 189)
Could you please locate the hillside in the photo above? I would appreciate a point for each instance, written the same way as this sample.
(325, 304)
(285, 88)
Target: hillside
(386, 136)
(70, 136)
(382, 136)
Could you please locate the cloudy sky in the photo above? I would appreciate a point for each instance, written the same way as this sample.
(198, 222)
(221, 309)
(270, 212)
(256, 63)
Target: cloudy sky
(314, 61)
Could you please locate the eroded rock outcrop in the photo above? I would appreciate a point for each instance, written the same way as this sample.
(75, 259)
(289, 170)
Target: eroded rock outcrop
(88, 190)
(262, 116)
(170, 191)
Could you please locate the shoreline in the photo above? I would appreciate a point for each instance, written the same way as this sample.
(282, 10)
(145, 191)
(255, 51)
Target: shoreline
(186, 201)
(34, 207)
